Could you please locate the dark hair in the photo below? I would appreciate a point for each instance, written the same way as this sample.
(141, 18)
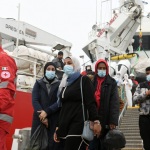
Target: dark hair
(60, 53)
(147, 69)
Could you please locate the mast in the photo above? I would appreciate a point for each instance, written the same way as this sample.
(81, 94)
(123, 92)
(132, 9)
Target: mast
(17, 42)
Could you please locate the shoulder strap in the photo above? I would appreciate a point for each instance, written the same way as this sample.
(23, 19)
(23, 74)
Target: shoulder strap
(82, 98)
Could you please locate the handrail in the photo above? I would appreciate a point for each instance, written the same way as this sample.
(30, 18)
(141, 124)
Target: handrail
(122, 113)
(122, 94)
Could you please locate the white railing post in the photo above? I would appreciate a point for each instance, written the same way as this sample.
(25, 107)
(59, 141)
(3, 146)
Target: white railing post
(34, 72)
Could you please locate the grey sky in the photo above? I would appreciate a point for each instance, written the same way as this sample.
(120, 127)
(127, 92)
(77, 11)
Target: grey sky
(69, 19)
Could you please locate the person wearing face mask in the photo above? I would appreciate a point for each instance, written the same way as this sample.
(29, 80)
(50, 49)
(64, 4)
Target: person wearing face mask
(70, 122)
(142, 97)
(44, 101)
(107, 100)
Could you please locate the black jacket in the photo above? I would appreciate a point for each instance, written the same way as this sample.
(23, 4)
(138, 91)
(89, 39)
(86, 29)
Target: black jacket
(109, 103)
(71, 115)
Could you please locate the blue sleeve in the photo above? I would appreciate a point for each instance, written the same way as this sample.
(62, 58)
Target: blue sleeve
(53, 108)
(36, 97)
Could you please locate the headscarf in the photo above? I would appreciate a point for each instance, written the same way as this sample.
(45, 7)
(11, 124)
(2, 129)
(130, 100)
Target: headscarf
(76, 68)
(45, 67)
(47, 64)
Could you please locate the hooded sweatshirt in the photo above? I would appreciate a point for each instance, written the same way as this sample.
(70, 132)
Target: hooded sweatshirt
(99, 81)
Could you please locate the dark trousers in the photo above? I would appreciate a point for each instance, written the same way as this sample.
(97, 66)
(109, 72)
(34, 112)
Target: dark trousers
(144, 125)
(73, 143)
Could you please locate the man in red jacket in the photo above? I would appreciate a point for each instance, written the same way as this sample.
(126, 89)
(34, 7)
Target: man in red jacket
(8, 71)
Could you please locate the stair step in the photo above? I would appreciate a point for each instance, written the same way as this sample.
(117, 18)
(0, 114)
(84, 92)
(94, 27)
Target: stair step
(131, 148)
(131, 134)
(130, 131)
(133, 137)
(128, 128)
(134, 145)
(132, 112)
(131, 116)
(130, 123)
(134, 141)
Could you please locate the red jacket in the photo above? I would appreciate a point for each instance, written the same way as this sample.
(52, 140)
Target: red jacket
(8, 71)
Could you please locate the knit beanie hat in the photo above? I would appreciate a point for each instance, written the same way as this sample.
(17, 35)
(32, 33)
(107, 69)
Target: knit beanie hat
(47, 64)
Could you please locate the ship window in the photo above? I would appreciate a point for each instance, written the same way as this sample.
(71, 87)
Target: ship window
(145, 42)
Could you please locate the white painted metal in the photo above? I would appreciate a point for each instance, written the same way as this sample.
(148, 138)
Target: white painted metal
(29, 34)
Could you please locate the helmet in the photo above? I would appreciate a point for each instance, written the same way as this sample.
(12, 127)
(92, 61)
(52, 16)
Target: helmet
(114, 139)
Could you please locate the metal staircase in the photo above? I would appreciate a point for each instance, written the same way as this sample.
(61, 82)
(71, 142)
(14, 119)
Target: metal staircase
(130, 127)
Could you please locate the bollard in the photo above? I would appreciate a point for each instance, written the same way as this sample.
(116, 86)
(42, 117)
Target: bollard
(23, 138)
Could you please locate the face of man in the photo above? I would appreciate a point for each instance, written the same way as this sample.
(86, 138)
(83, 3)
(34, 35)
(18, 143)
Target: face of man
(101, 66)
(60, 56)
(148, 72)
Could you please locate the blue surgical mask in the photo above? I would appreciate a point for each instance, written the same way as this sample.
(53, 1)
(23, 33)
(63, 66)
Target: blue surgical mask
(101, 73)
(148, 77)
(50, 74)
(68, 69)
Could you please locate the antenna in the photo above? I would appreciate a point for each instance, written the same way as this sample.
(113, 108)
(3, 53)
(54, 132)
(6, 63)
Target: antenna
(17, 42)
(96, 12)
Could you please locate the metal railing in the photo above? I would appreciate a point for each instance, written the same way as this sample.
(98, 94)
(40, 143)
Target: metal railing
(122, 95)
(34, 75)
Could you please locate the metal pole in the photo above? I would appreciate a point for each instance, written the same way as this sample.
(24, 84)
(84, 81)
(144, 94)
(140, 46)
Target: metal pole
(17, 42)
(101, 14)
(101, 19)
(96, 12)
(110, 9)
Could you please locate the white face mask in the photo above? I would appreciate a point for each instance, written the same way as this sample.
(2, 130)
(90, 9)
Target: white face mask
(101, 73)
(148, 77)
(50, 74)
(68, 69)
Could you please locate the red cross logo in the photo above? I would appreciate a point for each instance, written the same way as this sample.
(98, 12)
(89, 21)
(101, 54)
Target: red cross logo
(5, 74)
